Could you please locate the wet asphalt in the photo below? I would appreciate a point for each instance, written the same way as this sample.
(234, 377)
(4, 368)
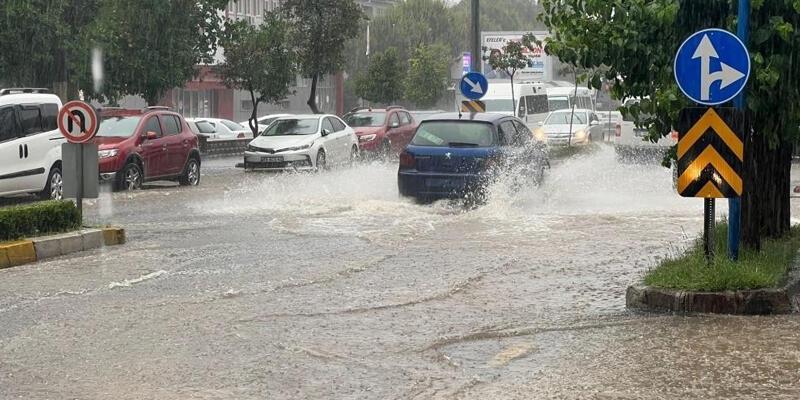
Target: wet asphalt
(330, 286)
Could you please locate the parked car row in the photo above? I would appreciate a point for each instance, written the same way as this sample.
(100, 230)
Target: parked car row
(217, 128)
(134, 146)
(445, 155)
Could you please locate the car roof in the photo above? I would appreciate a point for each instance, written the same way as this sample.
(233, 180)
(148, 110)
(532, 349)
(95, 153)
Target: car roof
(577, 110)
(480, 117)
(26, 98)
(306, 116)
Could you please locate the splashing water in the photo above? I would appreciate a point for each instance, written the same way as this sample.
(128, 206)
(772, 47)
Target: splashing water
(364, 200)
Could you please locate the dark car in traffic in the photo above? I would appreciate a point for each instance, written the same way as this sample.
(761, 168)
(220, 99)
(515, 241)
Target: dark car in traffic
(140, 145)
(458, 155)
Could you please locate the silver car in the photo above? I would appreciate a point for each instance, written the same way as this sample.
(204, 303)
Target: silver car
(567, 127)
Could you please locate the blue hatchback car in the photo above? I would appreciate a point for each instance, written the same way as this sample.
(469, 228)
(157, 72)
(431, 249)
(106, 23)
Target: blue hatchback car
(457, 155)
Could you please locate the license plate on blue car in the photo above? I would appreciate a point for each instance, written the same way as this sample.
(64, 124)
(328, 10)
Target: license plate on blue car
(446, 184)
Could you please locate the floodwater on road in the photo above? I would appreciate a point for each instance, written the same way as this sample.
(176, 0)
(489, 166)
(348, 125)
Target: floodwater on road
(294, 286)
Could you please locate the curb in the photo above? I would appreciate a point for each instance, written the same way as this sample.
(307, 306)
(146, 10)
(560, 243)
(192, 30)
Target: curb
(783, 300)
(29, 251)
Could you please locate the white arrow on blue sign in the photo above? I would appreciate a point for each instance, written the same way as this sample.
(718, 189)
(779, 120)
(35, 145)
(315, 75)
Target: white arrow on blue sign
(712, 66)
(474, 85)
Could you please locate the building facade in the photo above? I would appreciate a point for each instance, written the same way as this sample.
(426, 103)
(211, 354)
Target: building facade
(206, 96)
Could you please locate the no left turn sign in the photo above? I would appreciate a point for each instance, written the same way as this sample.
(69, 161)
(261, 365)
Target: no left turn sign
(78, 122)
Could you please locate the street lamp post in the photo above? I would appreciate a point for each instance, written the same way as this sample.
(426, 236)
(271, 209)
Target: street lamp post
(476, 36)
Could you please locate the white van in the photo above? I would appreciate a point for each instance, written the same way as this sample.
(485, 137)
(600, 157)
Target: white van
(531, 101)
(562, 98)
(30, 143)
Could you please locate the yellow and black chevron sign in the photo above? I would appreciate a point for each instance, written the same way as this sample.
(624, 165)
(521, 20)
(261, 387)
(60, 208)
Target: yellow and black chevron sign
(473, 106)
(710, 152)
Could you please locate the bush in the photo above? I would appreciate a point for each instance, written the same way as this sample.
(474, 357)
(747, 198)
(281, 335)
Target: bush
(37, 219)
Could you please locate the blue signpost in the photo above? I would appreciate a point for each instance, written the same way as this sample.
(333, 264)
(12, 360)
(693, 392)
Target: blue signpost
(474, 85)
(735, 204)
(712, 67)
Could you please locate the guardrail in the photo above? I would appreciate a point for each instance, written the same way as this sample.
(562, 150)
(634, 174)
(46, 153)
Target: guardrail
(222, 147)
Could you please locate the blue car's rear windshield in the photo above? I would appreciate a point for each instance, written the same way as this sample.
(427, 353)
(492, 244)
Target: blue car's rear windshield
(454, 134)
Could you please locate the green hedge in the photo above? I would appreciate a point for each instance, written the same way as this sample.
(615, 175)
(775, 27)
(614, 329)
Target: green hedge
(35, 219)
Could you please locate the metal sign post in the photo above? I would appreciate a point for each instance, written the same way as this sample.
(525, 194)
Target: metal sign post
(712, 67)
(735, 204)
(709, 223)
(476, 35)
(78, 122)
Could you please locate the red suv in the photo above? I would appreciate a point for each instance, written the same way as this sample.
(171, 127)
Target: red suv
(135, 146)
(382, 131)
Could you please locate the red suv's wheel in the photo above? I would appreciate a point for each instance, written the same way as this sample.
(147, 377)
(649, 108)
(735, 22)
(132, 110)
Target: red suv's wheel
(191, 173)
(131, 178)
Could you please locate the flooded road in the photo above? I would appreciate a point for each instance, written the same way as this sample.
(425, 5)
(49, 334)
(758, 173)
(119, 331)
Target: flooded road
(259, 286)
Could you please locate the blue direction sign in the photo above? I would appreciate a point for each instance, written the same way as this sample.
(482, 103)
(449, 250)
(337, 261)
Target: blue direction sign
(474, 85)
(712, 66)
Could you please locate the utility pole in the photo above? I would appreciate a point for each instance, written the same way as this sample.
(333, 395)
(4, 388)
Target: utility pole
(735, 204)
(476, 37)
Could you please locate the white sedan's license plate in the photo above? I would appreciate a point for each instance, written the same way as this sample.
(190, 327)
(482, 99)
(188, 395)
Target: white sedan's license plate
(271, 159)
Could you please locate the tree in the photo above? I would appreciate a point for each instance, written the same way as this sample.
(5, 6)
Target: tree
(428, 75)
(321, 28)
(152, 46)
(510, 59)
(258, 60)
(41, 43)
(383, 82)
(636, 40)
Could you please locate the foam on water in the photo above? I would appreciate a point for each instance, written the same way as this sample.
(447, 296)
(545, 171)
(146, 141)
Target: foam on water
(364, 200)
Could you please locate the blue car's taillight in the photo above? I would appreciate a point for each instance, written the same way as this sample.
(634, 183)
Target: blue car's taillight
(406, 160)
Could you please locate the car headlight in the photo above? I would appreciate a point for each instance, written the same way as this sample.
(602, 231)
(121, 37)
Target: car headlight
(367, 138)
(252, 148)
(539, 135)
(298, 148)
(581, 134)
(107, 153)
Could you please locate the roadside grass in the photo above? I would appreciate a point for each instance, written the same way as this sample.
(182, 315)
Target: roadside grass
(754, 270)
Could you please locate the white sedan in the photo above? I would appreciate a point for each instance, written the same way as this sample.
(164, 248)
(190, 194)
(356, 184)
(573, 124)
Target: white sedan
(222, 128)
(303, 142)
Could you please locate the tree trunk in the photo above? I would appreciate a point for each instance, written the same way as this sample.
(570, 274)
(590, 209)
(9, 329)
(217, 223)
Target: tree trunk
(312, 97)
(253, 121)
(765, 201)
(513, 97)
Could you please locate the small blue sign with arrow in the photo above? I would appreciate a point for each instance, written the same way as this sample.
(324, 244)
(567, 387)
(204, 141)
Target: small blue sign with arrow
(474, 85)
(712, 66)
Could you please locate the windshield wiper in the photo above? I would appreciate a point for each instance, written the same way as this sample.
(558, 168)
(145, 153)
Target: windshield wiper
(462, 144)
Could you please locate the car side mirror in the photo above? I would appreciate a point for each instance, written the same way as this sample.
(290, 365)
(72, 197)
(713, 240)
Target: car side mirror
(150, 135)
(395, 125)
(594, 123)
(325, 132)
